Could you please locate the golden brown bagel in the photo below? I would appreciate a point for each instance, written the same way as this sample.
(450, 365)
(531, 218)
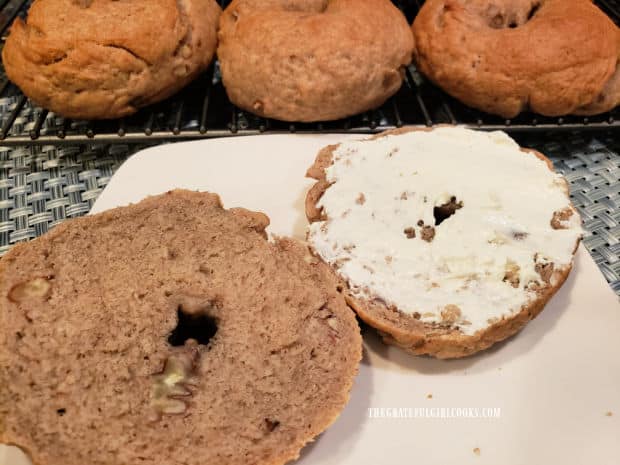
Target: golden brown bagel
(98, 59)
(299, 60)
(553, 57)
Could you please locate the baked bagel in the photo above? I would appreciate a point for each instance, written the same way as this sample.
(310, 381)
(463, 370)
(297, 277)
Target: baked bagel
(170, 332)
(553, 57)
(99, 59)
(300, 60)
(449, 240)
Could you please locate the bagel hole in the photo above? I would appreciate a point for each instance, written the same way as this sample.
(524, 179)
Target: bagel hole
(196, 325)
(445, 211)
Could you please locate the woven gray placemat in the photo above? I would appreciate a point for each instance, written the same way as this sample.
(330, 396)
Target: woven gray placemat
(42, 186)
(593, 171)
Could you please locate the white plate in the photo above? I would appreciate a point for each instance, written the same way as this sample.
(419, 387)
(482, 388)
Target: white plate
(554, 382)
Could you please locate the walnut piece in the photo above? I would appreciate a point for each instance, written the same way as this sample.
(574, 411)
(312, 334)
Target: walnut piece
(37, 288)
(450, 314)
(498, 239)
(511, 274)
(170, 387)
(544, 268)
(332, 322)
(428, 233)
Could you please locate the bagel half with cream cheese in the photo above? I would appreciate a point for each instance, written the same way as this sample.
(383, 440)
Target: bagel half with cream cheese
(448, 240)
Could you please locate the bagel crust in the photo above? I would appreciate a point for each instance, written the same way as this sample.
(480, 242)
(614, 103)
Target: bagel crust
(318, 60)
(448, 335)
(97, 369)
(552, 57)
(103, 59)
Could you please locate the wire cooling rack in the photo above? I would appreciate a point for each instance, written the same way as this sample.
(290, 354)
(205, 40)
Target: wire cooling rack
(203, 110)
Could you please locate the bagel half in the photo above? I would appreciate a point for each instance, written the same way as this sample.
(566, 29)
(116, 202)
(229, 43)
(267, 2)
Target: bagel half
(448, 240)
(170, 332)
(299, 60)
(553, 57)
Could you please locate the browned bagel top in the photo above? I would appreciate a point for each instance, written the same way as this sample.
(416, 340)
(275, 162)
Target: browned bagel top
(105, 58)
(552, 55)
(312, 60)
(155, 29)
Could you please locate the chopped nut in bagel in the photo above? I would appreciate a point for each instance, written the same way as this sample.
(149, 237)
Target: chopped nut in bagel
(101, 59)
(300, 60)
(461, 239)
(170, 332)
(553, 57)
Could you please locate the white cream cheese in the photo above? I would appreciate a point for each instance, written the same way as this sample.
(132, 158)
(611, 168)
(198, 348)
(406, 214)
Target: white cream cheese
(383, 189)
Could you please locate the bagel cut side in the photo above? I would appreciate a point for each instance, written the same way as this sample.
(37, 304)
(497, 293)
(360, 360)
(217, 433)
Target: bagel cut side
(449, 240)
(552, 57)
(170, 332)
(299, 60)
(104, 59)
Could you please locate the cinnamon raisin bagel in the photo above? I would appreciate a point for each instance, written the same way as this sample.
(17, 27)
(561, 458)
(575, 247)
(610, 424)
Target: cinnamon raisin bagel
(449, 239)
(300, 60)
(553, 57)
(99, 59)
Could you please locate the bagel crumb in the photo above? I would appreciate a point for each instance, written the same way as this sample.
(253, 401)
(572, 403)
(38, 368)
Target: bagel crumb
(477, 450)
(559, 219)
(519, 235)
(361, 199)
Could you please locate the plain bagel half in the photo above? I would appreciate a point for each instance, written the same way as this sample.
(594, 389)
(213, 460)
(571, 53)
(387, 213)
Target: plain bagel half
(553, 57)
(299, 60)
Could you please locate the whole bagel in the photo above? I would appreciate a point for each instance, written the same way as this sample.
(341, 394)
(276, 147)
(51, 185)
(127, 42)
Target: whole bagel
(100, 59)
(299, 60)
(553, 57)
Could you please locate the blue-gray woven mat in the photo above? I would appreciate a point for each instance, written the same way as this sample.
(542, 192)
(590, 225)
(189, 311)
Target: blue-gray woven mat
(42, 186)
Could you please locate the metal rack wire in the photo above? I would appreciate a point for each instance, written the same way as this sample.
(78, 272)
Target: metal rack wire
(203, 110)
